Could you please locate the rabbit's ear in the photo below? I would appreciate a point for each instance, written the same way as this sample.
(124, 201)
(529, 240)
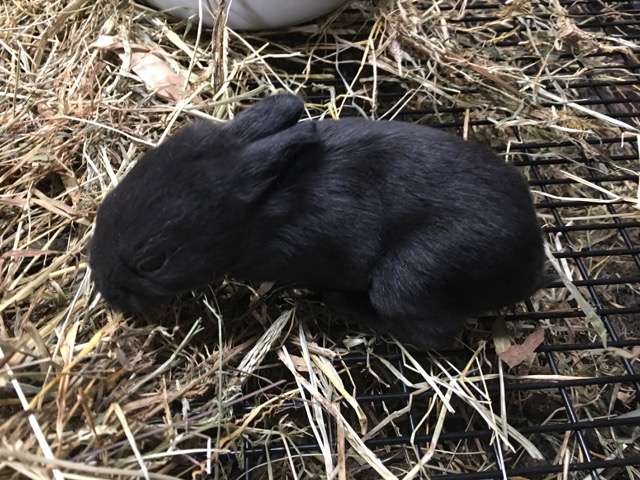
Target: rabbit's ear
(266, 160)
(267, 117)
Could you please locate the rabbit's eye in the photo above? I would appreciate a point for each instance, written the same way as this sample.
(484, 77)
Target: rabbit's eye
(152, 263)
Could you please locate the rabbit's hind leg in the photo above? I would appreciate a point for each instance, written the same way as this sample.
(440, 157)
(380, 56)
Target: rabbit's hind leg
(356, 307)
(406, 300)
(429, 330)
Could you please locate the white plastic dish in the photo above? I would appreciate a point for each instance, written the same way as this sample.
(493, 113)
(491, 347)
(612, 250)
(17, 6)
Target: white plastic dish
(250, 14)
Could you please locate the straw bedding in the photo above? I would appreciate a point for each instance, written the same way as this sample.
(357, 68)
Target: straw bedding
(87, 393)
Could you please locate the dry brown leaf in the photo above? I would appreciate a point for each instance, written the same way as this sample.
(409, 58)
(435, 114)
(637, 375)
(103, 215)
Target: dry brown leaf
(516, 354)
(156, 74)
(626, 398)
(73, 190)
(46, 111)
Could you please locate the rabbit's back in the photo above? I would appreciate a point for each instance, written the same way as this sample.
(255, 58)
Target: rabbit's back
(371, 188)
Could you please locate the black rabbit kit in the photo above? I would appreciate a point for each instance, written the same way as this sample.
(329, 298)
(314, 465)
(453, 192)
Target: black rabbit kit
(403, 228)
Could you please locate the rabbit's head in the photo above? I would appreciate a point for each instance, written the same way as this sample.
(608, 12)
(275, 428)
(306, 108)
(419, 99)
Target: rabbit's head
(172, 223)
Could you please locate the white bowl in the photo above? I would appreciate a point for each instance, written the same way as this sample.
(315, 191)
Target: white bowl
(250, 14)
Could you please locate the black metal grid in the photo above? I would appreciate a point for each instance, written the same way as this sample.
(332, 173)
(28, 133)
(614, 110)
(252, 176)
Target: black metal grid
(613, 89)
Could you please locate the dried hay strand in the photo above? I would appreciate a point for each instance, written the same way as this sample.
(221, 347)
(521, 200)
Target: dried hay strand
(86, 393)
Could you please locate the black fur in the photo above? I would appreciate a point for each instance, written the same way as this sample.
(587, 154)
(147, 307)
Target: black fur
(407, 228)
